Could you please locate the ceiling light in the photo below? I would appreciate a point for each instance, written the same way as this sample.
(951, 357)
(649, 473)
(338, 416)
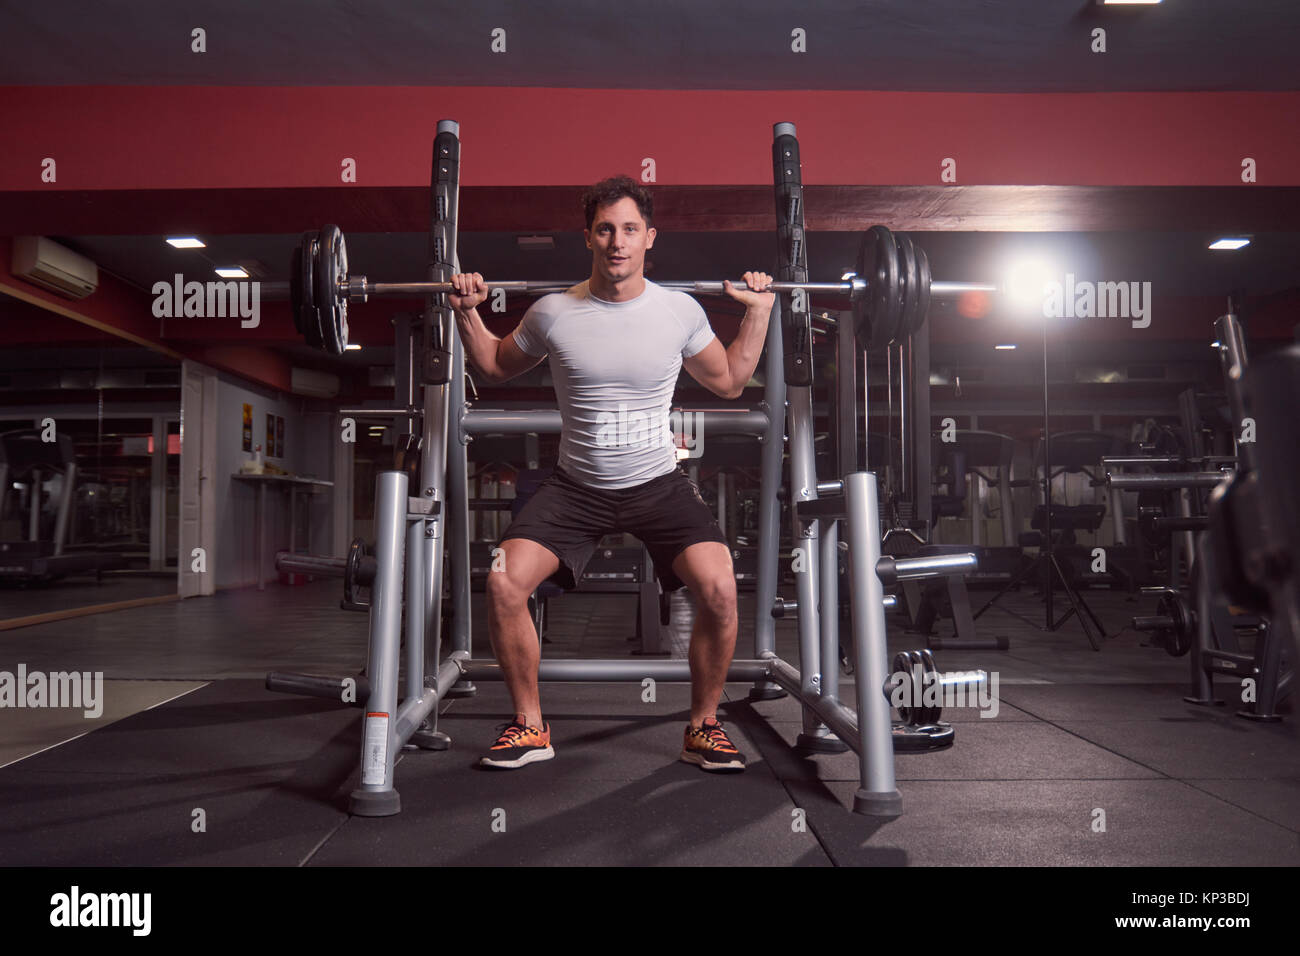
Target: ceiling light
(1229, 243)
(186, 242)
(353, 347)
(232, 272)
(1003, 348)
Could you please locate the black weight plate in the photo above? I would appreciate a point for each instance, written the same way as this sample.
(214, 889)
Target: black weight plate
(1178, 639)
(907, 268)
(923, 290)
(903, 671)
(876, 313)
(930, 714)
(295, 288)
(332, 265)
(309, 316)
(351, 571)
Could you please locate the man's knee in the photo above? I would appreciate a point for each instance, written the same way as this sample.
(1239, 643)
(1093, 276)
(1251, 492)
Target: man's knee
(505, 595)
(716, 598)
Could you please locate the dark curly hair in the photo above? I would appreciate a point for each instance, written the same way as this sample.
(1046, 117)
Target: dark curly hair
(612, 190)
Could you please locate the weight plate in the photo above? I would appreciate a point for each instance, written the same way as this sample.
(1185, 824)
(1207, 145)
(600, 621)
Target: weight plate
(903, 672)
(351, 571)
(309, 314)
(930, 713)
(876, 313)
(333, 306)
(909, 277)
(1178, 638)
(923, 290)
(295, 288)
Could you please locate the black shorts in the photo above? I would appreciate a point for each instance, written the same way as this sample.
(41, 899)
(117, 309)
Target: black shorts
(666, 513)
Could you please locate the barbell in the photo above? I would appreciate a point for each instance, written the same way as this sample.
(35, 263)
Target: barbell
(890, 291)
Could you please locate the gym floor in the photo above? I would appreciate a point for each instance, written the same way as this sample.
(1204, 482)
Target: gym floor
(1092, 759)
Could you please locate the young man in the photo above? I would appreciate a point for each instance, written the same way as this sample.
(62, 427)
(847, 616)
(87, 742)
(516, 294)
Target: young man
(616, 344)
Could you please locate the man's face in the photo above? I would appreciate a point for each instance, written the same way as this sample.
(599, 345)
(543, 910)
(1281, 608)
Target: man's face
(618, 240)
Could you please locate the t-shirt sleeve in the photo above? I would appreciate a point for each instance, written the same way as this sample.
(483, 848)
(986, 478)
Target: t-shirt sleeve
(530, 334)
(698, 331)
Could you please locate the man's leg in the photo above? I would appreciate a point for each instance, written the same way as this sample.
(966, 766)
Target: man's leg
(705, 568)
(524, 565)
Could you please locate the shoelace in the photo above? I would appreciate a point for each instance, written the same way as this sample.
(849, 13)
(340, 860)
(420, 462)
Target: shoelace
(510, 733)
(718, 737)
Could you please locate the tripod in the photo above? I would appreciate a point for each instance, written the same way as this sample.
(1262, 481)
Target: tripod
(1046, 562)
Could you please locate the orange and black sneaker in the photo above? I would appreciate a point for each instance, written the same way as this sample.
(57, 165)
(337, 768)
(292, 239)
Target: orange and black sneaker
(517, 745)
(710, 748)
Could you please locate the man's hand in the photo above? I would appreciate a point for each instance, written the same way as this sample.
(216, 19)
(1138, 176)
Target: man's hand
(750, 298)
(471, 290)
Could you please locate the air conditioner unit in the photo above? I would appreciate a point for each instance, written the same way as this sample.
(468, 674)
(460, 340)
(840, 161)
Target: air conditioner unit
(45, 263)
(305, 381)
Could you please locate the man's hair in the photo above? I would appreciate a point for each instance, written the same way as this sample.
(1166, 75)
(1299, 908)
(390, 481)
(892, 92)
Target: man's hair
(612, 190)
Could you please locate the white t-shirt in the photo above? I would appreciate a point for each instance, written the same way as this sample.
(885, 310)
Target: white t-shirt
(615, 365)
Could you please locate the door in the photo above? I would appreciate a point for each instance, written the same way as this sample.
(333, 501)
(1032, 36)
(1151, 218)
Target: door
(195, 569)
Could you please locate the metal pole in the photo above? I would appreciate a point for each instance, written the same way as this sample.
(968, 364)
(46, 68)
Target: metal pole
(877, 793)
(769, 508)
(376, 796)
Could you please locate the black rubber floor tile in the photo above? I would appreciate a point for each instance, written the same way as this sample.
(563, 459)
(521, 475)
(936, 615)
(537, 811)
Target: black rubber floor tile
(1046, 823)
(988, 750)
(1201, 747)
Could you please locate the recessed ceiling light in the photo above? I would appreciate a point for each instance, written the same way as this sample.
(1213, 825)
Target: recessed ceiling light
(1004, 348)
(186, 242)
(1229, 243)
(353, 347)
(232, 272)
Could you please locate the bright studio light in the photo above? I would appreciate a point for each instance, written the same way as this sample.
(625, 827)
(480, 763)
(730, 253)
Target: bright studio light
(353, 346)
(1229, 243)
(232, 272)
(1003, 348)
(1026, 284)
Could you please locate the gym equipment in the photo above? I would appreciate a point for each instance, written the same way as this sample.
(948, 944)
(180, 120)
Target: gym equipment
(926, 689)
(1211, 620)
(1255, 522)
(970, 460)
(26, 458)
(414, 519)
(890, 295)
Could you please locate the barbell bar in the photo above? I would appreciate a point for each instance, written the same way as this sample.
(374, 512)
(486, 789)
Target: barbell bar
(890, 291)
(359, 288)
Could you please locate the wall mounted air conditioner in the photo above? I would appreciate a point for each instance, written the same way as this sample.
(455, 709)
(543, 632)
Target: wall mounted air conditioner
(305, 381)
(45, 263)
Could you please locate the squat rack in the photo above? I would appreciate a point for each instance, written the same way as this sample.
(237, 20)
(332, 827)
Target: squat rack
(413, 519)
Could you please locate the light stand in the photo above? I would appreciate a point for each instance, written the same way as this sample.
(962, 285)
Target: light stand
(1046, 559)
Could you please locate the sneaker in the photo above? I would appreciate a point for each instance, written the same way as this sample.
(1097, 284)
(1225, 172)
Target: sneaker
(519, 745)
(710, 748)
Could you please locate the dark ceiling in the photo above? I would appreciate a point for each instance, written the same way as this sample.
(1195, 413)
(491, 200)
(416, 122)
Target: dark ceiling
(942, 45)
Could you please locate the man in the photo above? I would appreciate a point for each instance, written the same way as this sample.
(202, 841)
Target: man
(616, 344)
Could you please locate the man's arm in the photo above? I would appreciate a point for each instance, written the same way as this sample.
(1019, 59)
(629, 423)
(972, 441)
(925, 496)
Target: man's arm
(498, 360)
(726, 371)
